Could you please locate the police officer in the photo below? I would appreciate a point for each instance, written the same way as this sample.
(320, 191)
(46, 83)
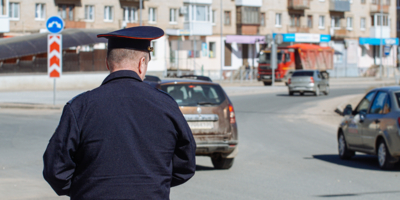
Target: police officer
(124, 139)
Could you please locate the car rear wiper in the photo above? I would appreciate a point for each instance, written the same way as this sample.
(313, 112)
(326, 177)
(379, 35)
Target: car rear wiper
(205, 103)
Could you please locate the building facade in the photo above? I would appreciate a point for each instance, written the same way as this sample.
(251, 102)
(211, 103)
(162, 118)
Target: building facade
(207, 36)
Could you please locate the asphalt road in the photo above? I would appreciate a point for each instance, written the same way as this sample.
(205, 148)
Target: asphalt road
(280, 156)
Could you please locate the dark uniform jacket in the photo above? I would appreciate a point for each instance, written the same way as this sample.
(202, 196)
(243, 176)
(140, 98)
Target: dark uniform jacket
(123, 140)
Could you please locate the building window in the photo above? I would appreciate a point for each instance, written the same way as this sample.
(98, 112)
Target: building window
(40, 11)
(213, 16)
(385, 19)
(152, 15)
(173, 15)
(129, 14)
(153, 53)
(278, 19)
(262, 19)
(14, 11)
(108, 13)
(335, 22)
(309, 21)
(249, 15)
(362, 23)
(321, 22)
(66, 12)
(201, 13)
(398, 25)
(89, 12)
(295, 20)
(227, 17)
(363, 1)
(349, 23)
(212, 50)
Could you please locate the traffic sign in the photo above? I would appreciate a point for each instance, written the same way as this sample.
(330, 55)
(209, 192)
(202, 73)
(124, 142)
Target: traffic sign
(387, 50)
(279, 38)
(55, 24)
(54, 55)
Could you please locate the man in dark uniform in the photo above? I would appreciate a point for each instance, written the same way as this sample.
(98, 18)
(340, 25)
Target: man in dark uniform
(124, 139)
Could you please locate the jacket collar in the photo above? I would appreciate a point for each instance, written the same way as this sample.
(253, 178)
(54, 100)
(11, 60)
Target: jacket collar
(122, 74)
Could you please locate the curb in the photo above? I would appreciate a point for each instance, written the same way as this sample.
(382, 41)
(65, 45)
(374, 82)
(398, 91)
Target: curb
(30, 106)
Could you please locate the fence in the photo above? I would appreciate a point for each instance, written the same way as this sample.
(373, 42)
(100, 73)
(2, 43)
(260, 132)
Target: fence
(72, 62)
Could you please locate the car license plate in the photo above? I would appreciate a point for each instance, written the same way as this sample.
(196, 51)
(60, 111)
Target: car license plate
(201, 125)
(267, 77)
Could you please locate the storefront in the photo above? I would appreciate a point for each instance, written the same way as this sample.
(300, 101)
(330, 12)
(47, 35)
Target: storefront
(369, 52)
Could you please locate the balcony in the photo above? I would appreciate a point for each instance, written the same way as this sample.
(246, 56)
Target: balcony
(375, 31)
(298, 29)
(198, 1)
(198, 27)
(339, 5)
(251, 3)
(75, 24)
(4, 24)
(338, 32)
(374, 8)
(298, 4)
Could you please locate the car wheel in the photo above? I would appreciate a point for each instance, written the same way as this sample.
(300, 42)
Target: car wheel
(344, 152)
(267, 83)
(384, 156)
(290, 93)
(316, 91)
(222, 163)
(302, 93)
(326, 90)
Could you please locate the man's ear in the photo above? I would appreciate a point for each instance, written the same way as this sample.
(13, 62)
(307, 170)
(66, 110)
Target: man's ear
(142, 67)
(108, 67)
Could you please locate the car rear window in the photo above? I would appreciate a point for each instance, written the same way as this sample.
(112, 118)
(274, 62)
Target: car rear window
(195, 94)
(303, 73)
(398, 99)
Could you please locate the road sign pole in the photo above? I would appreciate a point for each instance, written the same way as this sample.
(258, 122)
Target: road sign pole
(54, 92)
(273, 61)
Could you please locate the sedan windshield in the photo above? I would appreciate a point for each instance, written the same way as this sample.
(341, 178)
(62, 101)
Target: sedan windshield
(195, 94)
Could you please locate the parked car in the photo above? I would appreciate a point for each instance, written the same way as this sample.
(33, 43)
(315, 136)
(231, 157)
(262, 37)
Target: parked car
(152, 80)
(373, 127)
(303, 81)
(210, 115)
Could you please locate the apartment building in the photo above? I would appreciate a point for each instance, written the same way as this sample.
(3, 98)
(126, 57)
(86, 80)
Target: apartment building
(193, 28)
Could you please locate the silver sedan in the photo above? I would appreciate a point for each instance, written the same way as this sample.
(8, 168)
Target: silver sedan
(373, 127)
(312, 81)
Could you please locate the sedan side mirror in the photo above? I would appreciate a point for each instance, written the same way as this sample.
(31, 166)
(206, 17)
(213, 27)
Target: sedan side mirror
(348, 110)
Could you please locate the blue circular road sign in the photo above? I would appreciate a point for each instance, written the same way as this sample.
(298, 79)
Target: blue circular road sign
(55, 24)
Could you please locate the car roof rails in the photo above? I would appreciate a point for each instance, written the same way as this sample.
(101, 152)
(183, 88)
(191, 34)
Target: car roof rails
(150, 78)
(202, 78)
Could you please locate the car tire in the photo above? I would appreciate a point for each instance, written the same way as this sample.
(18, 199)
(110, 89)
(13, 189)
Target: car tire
(302, 93)
(267, 83)
(326, 90)
(384, 156)
(222, 163)
(317, 92)
(344, 152)
(291, 93)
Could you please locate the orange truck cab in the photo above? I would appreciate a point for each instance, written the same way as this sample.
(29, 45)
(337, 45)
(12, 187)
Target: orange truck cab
(294, 57)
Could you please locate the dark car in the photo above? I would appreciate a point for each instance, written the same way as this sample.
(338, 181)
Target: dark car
(152, 80)
(211, 117)
(373, 127)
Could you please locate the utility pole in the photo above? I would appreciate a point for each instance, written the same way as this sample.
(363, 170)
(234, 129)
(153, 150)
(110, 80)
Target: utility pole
(381, 41)
(273, 60)
(140, 12)
(222, 44)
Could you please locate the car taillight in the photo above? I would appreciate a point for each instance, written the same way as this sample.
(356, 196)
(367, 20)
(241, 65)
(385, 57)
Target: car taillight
(232, 118)
(289, 81)
(311, 80)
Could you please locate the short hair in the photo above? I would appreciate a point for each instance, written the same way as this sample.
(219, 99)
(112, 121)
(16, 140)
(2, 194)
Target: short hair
(116, 56)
